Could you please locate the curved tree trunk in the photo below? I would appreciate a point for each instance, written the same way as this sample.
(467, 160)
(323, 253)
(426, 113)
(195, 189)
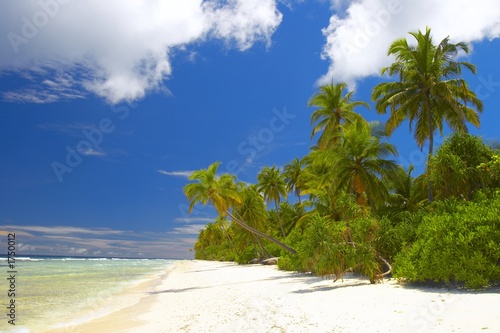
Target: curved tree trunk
(259, 233)
(381, 275)
(262, 249)
(389, 267)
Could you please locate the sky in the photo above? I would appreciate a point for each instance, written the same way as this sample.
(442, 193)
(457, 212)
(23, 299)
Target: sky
(107, 107)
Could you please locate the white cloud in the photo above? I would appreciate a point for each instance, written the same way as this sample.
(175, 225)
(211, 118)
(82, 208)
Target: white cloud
(115, 49)
(68, 240)
(185, 174)
(357, 42)
(59, 86)
(71, 129)
(92, 152)
(78, 250)
(61, 230)
(193, 229)
(244, 21)
(194, 219)
(25, 248)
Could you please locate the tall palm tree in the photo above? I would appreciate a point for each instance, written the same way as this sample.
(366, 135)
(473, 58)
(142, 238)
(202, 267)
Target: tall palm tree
(334, 108)
(292, 172)
(360, 160)
(223, 194)
(429, 89)
(271, 183)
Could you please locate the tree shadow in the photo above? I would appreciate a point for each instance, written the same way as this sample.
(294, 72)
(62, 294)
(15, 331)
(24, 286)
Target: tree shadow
(180, 290)
(448, 287)
(333, 286)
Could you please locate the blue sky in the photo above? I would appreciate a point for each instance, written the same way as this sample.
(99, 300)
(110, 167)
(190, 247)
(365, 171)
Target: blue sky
(106, 108)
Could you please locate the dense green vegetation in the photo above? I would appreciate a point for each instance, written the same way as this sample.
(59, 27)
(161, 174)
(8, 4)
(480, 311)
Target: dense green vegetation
(348, 206)
(457, 240)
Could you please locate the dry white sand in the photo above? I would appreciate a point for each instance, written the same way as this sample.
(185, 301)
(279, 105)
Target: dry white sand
(200, 296)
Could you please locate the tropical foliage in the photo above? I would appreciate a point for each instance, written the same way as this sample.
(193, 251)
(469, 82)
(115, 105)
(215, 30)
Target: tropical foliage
(334, 109)
(348, 206)
(459, 242)
(454, 169)
(428, 90)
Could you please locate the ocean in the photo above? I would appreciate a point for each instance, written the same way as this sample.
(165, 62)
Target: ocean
(55, 292)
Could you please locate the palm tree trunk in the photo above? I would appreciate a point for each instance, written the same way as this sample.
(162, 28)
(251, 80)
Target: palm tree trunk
(429, 183)
(279, 220)
(255, 246)
(227, 234)
(262, 249)
(360, 191)
(431, 147)
(260, 233)
(256, 238)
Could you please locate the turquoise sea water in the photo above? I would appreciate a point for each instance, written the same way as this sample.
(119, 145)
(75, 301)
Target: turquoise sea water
(55, 292)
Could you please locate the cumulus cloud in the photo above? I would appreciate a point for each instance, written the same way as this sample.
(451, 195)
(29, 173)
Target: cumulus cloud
(359, 34)
(117, 50)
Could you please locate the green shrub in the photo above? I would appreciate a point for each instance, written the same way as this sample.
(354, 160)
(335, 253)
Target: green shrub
(289, 262)
(459, 241)
(454, 168)
(329, 248)
(490, 171)
(395, 234)
(244, 257)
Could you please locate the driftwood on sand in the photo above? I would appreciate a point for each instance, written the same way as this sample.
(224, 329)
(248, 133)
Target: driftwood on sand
(268, 261)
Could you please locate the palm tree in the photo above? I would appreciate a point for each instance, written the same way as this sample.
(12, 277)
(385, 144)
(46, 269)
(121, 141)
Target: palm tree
(292, 173)
(359, 162)
(334, 108)
(253, 210)
(428, 91)
(222, 223)
(290, 214)
(223, 194)
(271, 183)
(404, 190)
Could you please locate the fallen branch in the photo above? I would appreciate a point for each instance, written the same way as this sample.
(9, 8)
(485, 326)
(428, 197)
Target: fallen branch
(388, 266)
(378, 276)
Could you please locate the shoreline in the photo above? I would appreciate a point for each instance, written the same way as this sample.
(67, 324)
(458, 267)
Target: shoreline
(202, 296)
(91, 320)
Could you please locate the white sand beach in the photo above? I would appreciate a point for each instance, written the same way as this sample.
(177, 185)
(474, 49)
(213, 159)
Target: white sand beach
(200, 296)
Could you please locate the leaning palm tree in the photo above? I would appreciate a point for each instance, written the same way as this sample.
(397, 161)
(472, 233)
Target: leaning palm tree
(428, 91)
(224, 195)
(271, 183)
(334, 109)
(360, 161)
(253, 211)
